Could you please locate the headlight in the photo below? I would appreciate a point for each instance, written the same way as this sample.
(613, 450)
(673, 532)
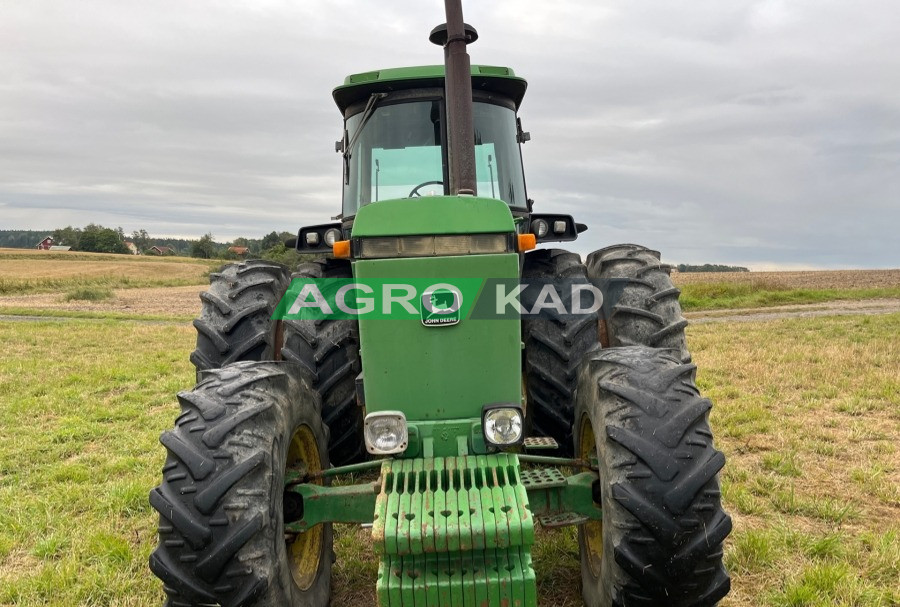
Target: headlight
(559, 227)
(312, 239)
(386, 432)
(502, 424)
(332, 236)
(540, 228)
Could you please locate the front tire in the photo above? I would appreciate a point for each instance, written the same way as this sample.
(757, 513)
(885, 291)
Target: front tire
(221, 509)
(660, 540)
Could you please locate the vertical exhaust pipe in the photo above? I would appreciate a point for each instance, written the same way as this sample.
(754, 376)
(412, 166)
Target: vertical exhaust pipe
(454, 36)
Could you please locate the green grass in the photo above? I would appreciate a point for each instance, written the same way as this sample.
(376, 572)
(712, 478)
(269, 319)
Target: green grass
(729, 295)
(81, 407)
(806, 411)
(89, 294)
(810, 481)
(90, 314)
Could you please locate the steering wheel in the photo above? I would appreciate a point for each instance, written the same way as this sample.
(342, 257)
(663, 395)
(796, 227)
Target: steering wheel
(415, 190)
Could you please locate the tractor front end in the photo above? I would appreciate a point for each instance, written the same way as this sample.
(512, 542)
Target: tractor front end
(452, 511)
(477, 384)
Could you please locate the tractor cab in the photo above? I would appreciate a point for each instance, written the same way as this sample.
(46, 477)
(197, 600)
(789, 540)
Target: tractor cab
(395, 142)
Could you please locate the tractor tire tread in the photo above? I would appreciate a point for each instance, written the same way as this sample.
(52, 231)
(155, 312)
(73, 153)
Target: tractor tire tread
(640, 302)
(659, 474)
(235, 322)
(554, 347)
(218, 494)
(329, 350)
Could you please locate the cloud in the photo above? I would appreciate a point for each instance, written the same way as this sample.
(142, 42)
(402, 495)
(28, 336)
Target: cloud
(760, 132)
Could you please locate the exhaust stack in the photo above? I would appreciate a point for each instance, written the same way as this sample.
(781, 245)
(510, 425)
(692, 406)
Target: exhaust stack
(454, 36)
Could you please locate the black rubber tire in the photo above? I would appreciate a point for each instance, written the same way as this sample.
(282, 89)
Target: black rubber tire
(329, 349)
(235, 321)
(640, 302)
(221, 523)
(554, 347)
(663, 522)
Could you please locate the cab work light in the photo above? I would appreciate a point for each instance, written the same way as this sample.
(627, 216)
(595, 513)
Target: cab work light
(386, 432)
(432, 246)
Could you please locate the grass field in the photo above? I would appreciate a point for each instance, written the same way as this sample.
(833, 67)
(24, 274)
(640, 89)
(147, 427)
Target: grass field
(42, 283)
(25, 271)
(807, 411)
(730, 290)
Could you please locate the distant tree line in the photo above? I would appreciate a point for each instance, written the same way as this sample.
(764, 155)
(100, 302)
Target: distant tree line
(92, 238)
(710, 267)
(96, 238)
(21, 239)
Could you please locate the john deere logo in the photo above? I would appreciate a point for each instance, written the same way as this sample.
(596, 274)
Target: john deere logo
(441, 305)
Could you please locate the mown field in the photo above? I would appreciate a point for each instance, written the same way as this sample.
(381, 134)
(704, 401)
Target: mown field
(25, 271)
(89, 285)
(807, 411)
(730, 290)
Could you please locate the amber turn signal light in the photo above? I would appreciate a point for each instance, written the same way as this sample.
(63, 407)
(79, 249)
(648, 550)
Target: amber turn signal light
(526, 242)
(341, 249)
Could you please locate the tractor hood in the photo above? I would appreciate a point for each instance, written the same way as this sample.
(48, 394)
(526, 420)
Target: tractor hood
(439, 375)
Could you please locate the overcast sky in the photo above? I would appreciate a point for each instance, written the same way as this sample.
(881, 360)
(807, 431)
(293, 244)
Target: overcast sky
(765, 133)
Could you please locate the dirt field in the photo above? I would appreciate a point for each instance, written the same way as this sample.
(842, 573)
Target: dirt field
(36, 269)
(825, 279)
(836, 308)
(182, 302)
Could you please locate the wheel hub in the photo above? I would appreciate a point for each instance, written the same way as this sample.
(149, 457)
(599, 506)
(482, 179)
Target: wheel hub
(304, 549)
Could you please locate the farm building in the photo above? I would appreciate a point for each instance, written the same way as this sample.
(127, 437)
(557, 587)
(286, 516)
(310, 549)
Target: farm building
(45, 244)
(157, 250)
(132, 248)
(59, 247)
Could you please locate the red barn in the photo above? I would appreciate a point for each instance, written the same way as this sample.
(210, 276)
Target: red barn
(45, 244)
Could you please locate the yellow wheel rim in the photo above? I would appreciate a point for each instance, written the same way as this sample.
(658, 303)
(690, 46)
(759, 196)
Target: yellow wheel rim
(591, 530)
(305, 552)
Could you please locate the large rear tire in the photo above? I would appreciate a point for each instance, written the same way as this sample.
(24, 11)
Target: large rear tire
(235, 321)
(329, 349)
(640, 303)
(660, 540)
(554, 345)
(220, 504)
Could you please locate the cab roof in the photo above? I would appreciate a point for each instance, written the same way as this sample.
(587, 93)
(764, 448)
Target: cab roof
(358, 87)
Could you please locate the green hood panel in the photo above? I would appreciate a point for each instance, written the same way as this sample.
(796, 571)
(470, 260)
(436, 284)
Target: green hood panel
(433, 215)
(439, 373)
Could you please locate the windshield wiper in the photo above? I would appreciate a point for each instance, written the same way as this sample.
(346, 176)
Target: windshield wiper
(367, 113)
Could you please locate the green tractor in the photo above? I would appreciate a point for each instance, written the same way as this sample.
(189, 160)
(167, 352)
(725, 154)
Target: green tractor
(468, 422)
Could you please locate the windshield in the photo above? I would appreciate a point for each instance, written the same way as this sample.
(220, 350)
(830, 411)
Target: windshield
(400, 153)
